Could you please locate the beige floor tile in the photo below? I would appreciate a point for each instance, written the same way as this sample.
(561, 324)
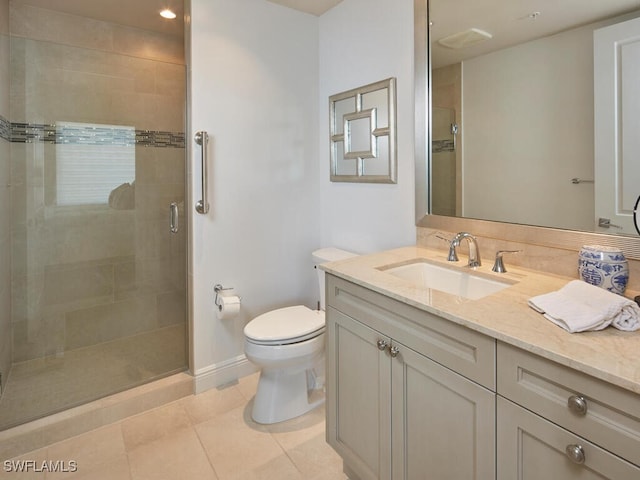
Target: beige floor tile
(315, 457)
(235, 445)
(15, 469)
(209, 404)
(329, 475)
(154, 424)
(90, 452)
(209, 436)
(279, 468)
(303, 439)
(174, 457)
(299, 430)
(116, 469)
(248, 385)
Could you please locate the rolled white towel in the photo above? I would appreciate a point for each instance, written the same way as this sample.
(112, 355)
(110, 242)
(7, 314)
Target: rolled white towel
(579, 307)
(627, 320)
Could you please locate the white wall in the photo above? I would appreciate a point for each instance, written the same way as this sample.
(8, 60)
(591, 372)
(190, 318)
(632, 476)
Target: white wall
(361, 42)
(261, 79)
(527, 111)
(254, 89)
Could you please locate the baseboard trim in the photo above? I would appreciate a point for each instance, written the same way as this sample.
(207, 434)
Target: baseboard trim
(218, 374)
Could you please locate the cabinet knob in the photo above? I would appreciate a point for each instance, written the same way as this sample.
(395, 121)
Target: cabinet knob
(394, 351)
(577, 404)
(382, 345)
(575, 453)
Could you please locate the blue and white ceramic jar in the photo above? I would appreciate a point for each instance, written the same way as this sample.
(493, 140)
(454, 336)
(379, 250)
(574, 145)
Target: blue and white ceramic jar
(605, 267)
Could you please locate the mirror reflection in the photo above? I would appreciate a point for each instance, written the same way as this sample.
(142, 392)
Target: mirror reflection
(521, 129)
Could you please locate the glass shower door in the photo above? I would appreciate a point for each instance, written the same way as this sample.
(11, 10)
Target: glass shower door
(98, 280)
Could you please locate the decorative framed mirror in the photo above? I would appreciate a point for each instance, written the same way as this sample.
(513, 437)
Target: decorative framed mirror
(363, 134)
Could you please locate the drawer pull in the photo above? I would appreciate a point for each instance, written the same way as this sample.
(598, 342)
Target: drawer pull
(393, 351)
(577, 404)
(575, 453)
(382, 345)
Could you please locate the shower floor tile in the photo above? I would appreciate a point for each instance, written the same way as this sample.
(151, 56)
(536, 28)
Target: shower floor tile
(40, 387)
(205, 436)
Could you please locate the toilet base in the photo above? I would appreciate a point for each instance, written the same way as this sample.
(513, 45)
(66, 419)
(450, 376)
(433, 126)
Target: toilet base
(283, 394)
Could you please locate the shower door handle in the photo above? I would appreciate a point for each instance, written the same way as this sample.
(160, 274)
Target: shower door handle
(202, 138)
(174, 219)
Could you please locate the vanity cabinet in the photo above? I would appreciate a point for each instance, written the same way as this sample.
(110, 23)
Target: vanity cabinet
(409, 394)
(413, 396)
(556, 422)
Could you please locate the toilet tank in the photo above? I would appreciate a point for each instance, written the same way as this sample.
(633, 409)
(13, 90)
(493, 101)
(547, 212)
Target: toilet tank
(326, 255)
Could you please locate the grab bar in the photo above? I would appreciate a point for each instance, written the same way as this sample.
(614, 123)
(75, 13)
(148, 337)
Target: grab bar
(202, 138)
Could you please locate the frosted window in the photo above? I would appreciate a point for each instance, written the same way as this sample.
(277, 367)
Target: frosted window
(91, 161)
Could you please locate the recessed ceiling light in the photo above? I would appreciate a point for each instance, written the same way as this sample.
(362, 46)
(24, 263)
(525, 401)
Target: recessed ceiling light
(531, 16)
(166, 13)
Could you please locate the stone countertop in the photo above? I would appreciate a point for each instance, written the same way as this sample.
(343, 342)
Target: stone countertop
(610, 354)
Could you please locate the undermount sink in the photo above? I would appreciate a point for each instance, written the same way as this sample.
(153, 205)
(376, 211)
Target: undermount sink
(448, 280)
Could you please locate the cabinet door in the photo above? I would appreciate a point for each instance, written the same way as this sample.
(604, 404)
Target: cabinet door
(358, 396)
(532, 448)
(443, 424)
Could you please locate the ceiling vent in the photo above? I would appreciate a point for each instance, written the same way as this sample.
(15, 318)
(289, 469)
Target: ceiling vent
(465, 39)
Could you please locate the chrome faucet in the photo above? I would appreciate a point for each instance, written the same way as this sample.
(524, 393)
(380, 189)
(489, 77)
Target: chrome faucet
(474, 252)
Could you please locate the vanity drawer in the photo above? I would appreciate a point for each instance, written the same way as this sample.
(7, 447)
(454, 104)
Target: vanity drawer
(468, 353)
(530, 447)
(607, 415)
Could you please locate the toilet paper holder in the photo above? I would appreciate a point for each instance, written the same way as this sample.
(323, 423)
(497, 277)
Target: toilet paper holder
(219, 289)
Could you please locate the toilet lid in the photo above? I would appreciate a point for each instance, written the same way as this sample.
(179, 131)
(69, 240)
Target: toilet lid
(285, 325)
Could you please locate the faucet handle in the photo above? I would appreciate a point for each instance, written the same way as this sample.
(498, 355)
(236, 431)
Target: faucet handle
(442, 236)
(498, 266)
(453, 256)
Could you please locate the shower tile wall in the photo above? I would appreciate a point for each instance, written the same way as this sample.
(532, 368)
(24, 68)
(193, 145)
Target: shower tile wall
(5, 197)
(447, 160)
(91, 274)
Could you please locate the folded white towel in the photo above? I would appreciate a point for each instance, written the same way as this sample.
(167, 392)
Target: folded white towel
(579, 306)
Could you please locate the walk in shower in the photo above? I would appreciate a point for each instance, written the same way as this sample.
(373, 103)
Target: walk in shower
(92, 157)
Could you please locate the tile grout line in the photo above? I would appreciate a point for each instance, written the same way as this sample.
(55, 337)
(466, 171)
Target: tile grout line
(286, 452)
(126, 450)
(209, 460)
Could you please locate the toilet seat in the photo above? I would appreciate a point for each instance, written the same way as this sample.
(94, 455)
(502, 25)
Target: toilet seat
(285, 326)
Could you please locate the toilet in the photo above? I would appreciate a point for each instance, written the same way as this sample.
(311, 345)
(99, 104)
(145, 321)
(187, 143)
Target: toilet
(288, 345)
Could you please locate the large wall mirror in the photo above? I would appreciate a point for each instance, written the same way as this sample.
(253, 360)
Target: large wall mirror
(513, 126)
